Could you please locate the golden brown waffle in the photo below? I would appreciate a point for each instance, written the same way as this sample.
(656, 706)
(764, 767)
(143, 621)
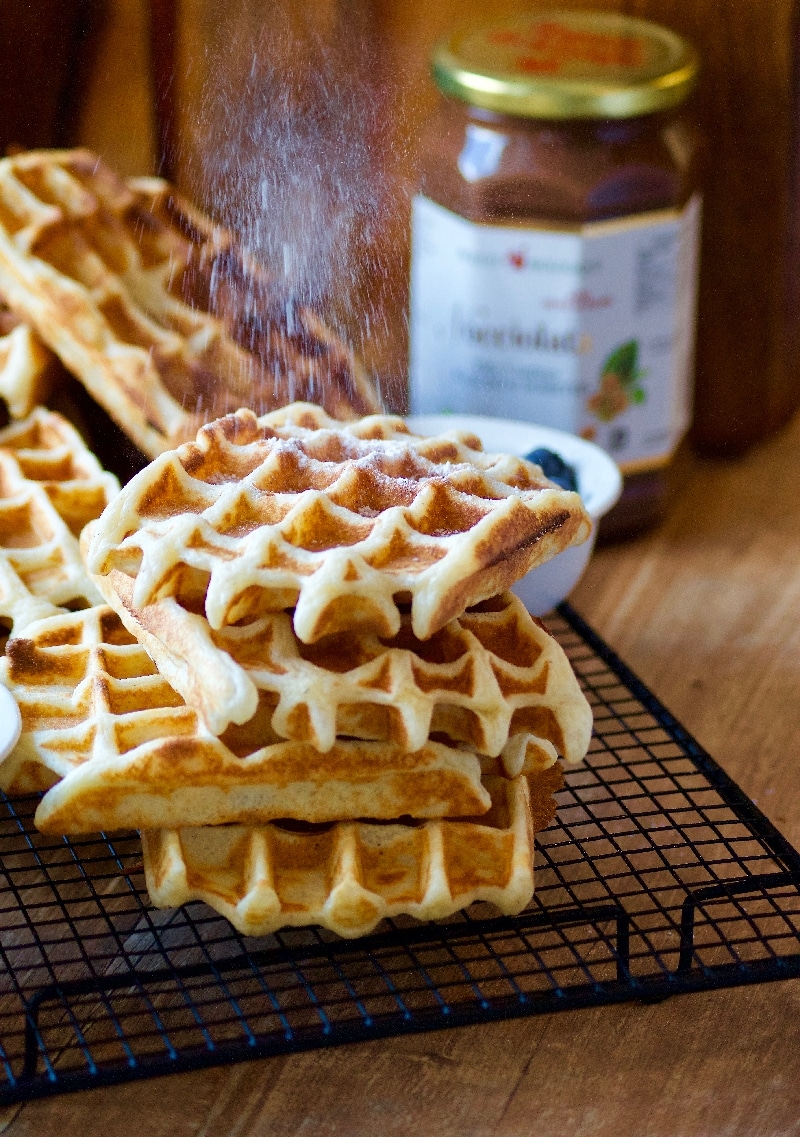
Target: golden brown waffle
(50, 486)
(165, 321)
(349, 876)
(493, 680)
(27, 367)
(347, 523)
(121, 750)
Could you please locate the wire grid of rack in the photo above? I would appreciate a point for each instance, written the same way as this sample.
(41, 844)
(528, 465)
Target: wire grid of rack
(659, 877)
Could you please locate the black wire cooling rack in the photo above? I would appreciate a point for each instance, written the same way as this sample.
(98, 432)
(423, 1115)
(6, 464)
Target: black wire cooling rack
(659, 877)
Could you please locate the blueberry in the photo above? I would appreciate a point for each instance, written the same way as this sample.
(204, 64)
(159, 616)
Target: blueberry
(555, 468)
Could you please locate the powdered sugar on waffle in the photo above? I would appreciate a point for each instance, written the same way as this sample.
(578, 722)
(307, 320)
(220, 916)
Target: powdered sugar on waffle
(345, 523)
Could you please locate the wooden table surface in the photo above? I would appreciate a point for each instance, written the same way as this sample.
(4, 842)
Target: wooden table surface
(705, 608)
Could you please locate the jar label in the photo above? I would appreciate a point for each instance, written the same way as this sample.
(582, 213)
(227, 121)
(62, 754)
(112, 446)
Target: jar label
(588, 329)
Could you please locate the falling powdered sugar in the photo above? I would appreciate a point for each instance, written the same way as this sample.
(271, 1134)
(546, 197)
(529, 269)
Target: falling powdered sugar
(291, 153)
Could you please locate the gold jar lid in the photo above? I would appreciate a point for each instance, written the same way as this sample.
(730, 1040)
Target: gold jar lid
(560, 65)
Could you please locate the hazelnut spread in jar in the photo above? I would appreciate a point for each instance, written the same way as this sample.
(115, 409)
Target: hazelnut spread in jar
(555, 235)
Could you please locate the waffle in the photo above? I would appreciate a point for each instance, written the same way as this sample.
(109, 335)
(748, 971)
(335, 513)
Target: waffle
(50, 486)
(347, 523)
(493, 680)
(349, 876)
(116, 747)
(26, 366)
(158, 313)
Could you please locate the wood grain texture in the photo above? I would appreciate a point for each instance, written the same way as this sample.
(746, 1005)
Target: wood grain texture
(747, 384)
(721, 1064)
(722, 643)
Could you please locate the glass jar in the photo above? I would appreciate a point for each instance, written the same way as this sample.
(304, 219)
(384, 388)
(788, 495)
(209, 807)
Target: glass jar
(555, 237)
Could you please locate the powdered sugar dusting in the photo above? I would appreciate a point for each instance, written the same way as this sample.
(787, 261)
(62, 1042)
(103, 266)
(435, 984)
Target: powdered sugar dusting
(291, 152)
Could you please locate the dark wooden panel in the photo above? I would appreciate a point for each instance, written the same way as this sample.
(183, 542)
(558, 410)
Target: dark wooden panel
(44, 58)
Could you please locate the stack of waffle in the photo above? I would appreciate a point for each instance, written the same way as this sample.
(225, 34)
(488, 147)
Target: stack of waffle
(314, 695)
(339, 715)
(293, 662)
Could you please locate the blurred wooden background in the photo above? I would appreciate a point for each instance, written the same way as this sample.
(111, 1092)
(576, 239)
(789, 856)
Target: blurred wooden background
(375, 52)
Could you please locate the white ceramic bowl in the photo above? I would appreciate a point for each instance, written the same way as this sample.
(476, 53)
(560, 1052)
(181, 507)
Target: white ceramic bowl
(599, 482)
(10, 722)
